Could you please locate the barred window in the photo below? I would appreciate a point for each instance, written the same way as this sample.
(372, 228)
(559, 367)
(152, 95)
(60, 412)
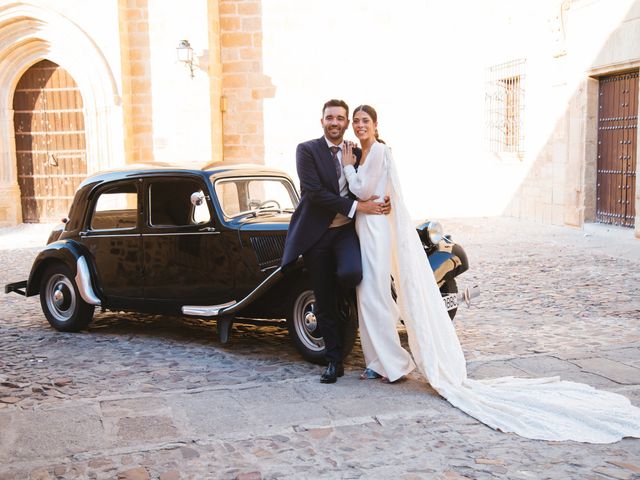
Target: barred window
(505, 107)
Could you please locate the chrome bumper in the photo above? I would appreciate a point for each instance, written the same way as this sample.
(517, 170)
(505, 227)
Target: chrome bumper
(468, 293)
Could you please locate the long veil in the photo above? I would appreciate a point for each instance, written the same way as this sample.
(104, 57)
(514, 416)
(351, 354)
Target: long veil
(542, 408)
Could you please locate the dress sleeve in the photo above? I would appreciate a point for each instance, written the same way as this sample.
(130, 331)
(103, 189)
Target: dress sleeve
(364, 181)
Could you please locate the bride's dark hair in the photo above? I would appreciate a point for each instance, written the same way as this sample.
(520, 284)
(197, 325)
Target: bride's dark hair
(369, 110)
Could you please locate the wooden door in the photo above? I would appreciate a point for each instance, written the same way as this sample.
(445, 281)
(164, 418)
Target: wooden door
(50, 141)
(617, 145)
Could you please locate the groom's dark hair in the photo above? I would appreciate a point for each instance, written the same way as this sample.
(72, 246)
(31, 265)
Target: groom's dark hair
(336, 103)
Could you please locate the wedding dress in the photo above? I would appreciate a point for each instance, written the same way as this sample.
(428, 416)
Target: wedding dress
(378, 314)
(537, 408)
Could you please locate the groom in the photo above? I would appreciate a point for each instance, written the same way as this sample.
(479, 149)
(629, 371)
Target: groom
(322, 228)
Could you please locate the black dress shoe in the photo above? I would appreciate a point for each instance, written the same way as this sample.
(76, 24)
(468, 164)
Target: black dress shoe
(332, 372)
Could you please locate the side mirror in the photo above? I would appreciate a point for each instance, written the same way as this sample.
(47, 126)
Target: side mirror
(197, 198)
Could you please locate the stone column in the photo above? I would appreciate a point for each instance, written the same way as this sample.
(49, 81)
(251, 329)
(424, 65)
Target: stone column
(218, 102)
(136, 80)
(244, 86)
(10, 206)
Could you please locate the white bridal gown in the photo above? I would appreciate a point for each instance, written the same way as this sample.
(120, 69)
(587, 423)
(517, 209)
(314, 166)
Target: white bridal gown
(538, 408)
(378, 314)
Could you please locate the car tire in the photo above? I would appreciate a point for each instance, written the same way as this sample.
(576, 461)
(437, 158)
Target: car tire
(61, 302)
(303, 327)
(450, 287)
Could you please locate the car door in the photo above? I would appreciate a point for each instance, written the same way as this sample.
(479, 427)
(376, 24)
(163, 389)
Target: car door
(112, 236)
(185, 261)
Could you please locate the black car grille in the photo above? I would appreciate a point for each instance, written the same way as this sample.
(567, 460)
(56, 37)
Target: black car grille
(268, 250)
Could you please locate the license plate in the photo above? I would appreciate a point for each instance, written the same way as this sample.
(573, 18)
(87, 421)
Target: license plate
(450, 301)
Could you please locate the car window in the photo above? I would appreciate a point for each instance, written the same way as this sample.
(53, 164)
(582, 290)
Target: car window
(229, 198)
(115, 208)
(238, 196)
(170, 204)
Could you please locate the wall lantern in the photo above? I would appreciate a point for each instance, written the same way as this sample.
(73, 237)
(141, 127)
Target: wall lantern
(185, 54)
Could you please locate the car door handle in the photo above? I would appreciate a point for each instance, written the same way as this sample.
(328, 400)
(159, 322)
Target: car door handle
(209, 229)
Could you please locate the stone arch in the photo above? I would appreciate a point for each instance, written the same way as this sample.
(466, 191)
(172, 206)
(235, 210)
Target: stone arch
(30, 33)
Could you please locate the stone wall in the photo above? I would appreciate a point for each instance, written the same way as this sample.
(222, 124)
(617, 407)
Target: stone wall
(244, 85)
(559, 169)
(262, 69)
(136, 80)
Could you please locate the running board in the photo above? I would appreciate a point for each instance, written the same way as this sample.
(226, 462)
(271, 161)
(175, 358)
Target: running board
(233, 306)
(206, 310)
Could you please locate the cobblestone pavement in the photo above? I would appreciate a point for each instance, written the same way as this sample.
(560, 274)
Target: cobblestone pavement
(150, 397)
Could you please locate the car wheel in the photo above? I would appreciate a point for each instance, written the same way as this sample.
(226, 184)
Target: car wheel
(61, 302)
(450, 287)
(305, 332)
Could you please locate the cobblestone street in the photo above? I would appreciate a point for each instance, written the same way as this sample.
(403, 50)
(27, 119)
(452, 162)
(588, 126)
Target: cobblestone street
(146, 397)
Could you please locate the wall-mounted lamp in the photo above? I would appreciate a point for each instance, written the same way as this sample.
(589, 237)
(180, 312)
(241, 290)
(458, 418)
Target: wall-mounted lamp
(185, 54)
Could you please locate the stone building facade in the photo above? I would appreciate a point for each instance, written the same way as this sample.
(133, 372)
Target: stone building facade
(494, 108)
(581, 113)
(138, 102)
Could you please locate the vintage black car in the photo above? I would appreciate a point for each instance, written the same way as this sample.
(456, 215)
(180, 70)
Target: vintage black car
(203, 242)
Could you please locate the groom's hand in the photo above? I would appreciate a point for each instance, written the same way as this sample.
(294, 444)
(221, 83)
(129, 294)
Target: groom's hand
(370, 206)
(386, 206)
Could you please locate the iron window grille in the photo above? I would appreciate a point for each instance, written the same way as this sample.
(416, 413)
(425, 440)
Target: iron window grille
(505, 107)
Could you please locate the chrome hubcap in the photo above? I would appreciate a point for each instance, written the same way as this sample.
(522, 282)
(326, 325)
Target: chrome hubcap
(306, 323)
(310, 321)
(60, 297)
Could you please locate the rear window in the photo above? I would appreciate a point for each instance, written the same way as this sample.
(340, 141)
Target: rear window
(116, 208)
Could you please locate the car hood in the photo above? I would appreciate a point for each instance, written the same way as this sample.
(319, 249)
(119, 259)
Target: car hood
(278, 222)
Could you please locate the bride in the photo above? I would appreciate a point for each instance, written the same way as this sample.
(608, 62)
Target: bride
(542, 408)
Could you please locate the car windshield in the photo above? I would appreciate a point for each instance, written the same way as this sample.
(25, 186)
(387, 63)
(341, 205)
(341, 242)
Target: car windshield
(255, 195)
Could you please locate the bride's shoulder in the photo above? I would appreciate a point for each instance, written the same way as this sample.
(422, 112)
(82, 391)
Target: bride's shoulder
(384, 148)
(381, 147)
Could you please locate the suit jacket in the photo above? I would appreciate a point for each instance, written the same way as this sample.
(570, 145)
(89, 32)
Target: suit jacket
(320, 200)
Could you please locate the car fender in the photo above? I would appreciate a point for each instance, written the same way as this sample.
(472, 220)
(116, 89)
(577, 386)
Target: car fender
(449, 261)
(74, 256)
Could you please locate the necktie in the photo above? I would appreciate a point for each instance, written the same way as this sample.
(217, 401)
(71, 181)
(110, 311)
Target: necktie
(336, 162)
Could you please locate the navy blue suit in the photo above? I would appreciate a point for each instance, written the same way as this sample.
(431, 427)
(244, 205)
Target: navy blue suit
(332, 255)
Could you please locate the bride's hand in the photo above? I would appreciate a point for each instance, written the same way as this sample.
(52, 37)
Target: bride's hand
(348, 157)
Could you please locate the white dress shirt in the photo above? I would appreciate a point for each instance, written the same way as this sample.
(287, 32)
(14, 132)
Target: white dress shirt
(343, 187)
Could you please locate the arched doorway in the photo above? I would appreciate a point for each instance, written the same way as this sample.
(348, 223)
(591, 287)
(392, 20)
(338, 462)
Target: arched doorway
(50, 141)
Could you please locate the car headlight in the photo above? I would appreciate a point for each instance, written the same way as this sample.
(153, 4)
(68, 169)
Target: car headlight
(435, 231)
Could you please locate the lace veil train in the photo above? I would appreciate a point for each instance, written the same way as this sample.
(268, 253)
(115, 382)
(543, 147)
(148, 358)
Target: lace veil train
(538, 408)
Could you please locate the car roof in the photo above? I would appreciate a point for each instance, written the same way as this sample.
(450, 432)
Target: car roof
(216, 169)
